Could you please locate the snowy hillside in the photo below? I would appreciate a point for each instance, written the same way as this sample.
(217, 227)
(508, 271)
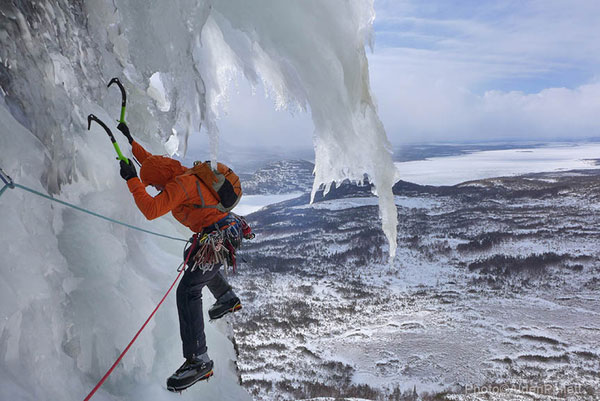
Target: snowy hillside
(285, 176)
(296, 177)
(496, 283)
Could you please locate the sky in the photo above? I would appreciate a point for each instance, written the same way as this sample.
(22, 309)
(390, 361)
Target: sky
(464, 71)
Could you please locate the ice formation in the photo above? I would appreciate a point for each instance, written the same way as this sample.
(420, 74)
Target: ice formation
(75, 289)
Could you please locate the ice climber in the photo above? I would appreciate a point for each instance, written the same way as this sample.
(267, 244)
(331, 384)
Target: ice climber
(182, 195)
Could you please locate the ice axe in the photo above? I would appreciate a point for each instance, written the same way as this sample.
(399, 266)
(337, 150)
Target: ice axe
(92, 117)
(123, 97)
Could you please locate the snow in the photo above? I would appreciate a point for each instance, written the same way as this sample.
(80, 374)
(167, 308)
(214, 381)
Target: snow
(252, 203)
(340, 204)
(432, 322)
(497, 163)
(348, 203)
(429, 349)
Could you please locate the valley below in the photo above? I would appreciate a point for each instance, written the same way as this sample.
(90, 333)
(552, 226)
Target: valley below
(494, 293)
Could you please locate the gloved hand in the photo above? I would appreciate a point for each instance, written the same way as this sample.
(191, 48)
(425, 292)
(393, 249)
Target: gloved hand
(127, 170)
(125, 130)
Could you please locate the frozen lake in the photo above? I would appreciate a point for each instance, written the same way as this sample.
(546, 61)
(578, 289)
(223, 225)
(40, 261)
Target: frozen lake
(252, 203)
(453, 170)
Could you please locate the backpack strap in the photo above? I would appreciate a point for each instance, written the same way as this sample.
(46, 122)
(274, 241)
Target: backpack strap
(219, 180)
(199, 193)
(187, 196)
(204, 205)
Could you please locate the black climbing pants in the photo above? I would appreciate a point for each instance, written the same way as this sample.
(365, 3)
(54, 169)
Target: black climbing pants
(189, 305)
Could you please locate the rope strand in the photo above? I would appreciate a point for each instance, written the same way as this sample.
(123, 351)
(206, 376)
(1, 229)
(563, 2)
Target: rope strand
(215, 242)
(109, 371)
(33, 191)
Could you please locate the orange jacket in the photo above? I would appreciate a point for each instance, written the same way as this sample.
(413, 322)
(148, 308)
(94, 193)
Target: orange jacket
(180, 195)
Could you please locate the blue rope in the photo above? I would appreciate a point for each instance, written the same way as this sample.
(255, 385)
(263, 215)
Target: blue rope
(11, 185)
(3, 189)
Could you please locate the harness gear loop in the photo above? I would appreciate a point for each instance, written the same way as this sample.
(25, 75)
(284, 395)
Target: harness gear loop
(217, 244)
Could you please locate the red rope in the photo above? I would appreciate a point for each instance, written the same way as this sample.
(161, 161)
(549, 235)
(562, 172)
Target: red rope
(142, 328)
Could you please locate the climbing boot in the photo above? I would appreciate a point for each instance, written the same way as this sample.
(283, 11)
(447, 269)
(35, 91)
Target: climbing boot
(194, 369)
(227, 303)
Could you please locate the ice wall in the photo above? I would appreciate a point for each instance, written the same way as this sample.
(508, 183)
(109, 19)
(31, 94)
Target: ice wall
(311, 54)
(75, 289)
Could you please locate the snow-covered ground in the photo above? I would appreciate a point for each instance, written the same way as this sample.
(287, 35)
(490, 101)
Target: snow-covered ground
(496, 163)
(348, 203)
(495, 284)
(252, 203)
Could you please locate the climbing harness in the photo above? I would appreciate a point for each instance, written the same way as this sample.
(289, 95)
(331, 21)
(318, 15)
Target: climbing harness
(218, 243)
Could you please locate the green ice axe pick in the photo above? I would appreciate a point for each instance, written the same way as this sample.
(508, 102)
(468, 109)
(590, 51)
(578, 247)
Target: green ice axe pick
(91, 118)
(123, 97)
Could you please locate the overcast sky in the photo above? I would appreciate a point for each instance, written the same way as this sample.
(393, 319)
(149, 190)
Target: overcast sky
(464, 70)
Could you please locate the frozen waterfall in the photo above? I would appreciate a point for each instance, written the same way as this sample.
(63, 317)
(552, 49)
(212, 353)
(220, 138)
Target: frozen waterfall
(75, 289)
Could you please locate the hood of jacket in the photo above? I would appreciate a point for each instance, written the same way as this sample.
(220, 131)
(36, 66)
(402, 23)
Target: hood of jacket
(158, 170)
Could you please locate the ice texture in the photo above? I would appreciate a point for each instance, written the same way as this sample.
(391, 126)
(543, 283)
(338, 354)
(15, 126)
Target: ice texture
(310, 56)
(74, 289)
(156, 91)
(316, 61)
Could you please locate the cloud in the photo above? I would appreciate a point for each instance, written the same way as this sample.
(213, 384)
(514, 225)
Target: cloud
(551, 113)
(249, 119)
(414, 109)
(467, 70)
(480, 70)
(494, 40)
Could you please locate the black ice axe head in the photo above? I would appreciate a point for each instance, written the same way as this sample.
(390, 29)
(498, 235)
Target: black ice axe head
(123, 97)
(91, 118)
